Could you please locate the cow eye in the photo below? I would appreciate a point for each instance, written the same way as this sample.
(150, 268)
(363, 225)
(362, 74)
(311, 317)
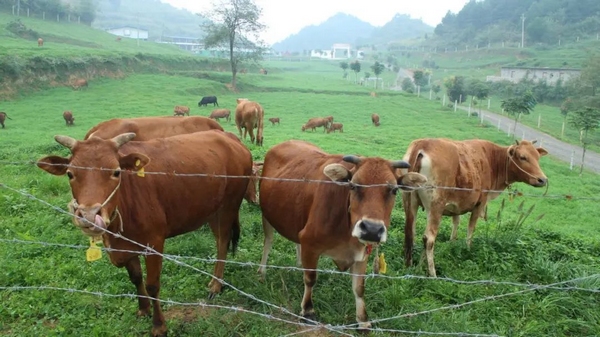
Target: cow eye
(116, 173)
(523, 158)
(352, 186)
(70, 175)
(395, 190)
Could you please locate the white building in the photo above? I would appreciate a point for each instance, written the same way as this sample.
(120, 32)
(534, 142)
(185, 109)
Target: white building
(339, 51)
(551, 75)
(186, 43)
(130, 32)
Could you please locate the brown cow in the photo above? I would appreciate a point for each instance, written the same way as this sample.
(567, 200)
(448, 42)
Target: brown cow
(68, 116)
(373, 94)
(263, 71)
(329, 119)
(79, 83)
(3, 117)
(375, 119)
(151, 208)
(274, 120)
(316, 122)
(336, 126)
(181, 110)
(220, 113)
(250, 115)
(476, 165)
(118, 39)
(340, 217)
(40, 42)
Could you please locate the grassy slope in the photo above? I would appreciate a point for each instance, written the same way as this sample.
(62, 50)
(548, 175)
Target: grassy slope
(561, 246)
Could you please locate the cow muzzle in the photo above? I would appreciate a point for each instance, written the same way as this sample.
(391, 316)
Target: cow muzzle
(92, 220)
(370, 231)
(538, 182)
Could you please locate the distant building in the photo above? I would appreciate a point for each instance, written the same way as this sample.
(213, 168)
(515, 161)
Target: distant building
(130, 32)
(551, 75)
(186, 43)
(339, 51)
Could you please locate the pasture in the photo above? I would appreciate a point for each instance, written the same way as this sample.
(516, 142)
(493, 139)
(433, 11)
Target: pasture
(561, 246)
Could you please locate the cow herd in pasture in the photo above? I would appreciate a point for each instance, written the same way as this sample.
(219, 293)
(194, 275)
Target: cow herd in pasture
(343, 216)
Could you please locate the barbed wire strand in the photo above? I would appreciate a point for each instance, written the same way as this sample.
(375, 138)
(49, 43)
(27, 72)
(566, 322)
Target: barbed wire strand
(316, 181)
(324, 271)
(174, 260)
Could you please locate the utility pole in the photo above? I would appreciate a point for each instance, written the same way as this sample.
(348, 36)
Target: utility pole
(523, 30)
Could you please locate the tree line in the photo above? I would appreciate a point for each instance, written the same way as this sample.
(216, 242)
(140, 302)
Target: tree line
(84, 9)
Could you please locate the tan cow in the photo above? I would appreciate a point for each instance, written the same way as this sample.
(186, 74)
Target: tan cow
(79, 83)
(68, 116)
(478, 166)
(3, 117)
(220, 113)
(375, 119)
(181, 110)
(274, 120)
(341, 217)
(40, 42)
(316, 122)
(373, 94)
(336, 126)
(248, 116)
(150, 208)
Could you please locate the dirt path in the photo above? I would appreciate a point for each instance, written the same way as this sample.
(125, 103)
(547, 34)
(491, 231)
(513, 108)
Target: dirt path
(557, 148)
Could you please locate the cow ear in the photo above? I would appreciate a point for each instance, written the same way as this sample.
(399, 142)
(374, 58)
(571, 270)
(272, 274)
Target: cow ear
(133, 161)
(337, 172)
(410, 180)
(511, 151)
(54, 165)
(542, 151)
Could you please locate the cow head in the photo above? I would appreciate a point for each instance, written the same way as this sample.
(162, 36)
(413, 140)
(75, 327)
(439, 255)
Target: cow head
(523, 164)
(94, 171)
(370, 207)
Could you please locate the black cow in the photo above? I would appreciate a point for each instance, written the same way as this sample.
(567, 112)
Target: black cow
(207, 100)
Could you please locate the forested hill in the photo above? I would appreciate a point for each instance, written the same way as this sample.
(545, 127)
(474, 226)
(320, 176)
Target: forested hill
(546, 21)
(154, 15)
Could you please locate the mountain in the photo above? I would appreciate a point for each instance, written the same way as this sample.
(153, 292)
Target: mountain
(340, 28)
(158, 17)
(344, 28)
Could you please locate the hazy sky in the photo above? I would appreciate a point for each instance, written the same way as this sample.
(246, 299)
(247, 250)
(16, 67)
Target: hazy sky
(286, 17)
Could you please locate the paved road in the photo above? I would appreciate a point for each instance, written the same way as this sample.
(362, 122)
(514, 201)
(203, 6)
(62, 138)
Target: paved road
(557, 148)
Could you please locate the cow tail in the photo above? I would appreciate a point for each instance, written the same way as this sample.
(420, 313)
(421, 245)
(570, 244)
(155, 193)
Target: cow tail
(235, 234)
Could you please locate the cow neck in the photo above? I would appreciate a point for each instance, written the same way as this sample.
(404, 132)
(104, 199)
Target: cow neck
(500, 167)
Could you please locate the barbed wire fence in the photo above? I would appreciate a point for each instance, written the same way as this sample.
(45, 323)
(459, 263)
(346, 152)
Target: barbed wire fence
(311, 325)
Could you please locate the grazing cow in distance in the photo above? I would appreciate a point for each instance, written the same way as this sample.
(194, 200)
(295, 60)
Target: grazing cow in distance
(341, 217)
(329, 120)
(148, 209)
(40, 42)
(316, 122)
(181, 110)
(220, 113)
(79, 83)
(206, 100)
(373, 94)
(468, 170)
(118, 39)
(335, 126)
(274, 120)
(375, 119)
(3, 117)
(68, 116)
(263, 71)
(250, 115)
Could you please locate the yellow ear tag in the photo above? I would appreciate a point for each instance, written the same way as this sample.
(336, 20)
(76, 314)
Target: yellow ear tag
(382, 264)
(93, 253)
(140, 172)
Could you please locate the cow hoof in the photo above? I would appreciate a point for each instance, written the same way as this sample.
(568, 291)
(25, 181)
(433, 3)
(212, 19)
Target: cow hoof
(160, 331)
(143, 313)
(211, 295)
(364, 327)
(309, 318)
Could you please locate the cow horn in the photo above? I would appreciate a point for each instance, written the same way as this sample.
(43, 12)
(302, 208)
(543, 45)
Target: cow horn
(400, 164)
(517, 141)
(534, 141)
(351, 159)
(123, 138)
(66, 141)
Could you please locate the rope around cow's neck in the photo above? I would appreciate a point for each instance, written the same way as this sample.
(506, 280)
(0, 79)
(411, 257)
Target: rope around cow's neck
(108, 199)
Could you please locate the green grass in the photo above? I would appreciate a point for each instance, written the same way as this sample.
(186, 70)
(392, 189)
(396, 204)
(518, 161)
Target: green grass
(563, 245)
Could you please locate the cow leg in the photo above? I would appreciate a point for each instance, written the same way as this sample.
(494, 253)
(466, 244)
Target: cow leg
(473, 222)
(309, 261)
(2, 124)
(221, 227)
(267, 244)
(239, 129)
(153, 270)
(411, 207)
(359, 270)
(455, 223)
(434, 216)
(251, 132)
(298, 256)
(134, 269)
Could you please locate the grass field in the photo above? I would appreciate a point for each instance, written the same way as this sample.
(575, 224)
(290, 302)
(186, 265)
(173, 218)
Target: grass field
(562, 246)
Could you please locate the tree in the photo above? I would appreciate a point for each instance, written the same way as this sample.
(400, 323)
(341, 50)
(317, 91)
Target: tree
(87, 11)
(419, 78)
(455, 88)
(377, 70)
(590, 74)
(480, 90)
(355, 66)
(407, 85)
(520, 105)
(234, 24)
(585, 119)
(565, 107)
(344, 66)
